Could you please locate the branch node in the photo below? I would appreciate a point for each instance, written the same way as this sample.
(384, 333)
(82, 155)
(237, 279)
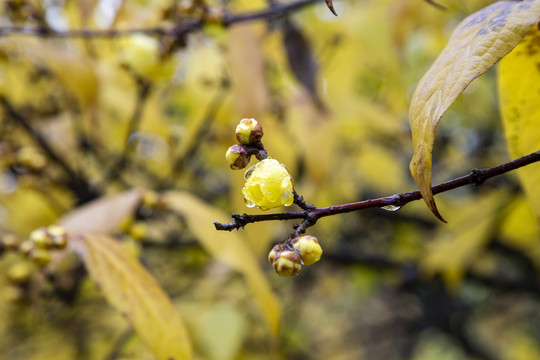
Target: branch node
(478, 176)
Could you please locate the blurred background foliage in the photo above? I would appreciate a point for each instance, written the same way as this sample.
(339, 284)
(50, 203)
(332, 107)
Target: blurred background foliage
(86, 118)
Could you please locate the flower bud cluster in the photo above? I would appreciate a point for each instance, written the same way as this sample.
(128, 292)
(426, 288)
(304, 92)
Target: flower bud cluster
(288, 260)
(268, 183)
(41, 241)
(248, 132)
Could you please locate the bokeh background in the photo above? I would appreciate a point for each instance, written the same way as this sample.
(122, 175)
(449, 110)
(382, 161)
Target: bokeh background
(84, 118)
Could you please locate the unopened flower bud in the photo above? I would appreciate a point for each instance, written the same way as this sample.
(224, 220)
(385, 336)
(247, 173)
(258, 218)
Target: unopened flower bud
(308, 247)
(268, 185)
(287, 263)
(9, 242)
(26, 247)
(273, 253)
(139, 231)
(214, 16)
(248, 131)
(58, 236)
(41, 238)
(237, 157)
(40, 257)
(151, 199)
(20, 272)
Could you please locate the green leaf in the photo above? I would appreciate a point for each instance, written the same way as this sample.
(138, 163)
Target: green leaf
(229, 247)
(132, 291)
(519, 94)
(476, 44)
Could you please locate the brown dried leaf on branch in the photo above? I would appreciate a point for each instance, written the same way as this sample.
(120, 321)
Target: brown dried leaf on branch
(476, 44)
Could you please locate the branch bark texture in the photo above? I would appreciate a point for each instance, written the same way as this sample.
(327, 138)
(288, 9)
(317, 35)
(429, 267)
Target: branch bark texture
(310, 216)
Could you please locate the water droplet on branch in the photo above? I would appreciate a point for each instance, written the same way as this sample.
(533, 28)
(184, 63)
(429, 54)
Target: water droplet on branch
(391, 208)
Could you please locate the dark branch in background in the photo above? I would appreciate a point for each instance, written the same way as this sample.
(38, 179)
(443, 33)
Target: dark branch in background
(202, 132)
(181, 29)
(310, 216)
(437, 5)
(144, 88)
(76, 183)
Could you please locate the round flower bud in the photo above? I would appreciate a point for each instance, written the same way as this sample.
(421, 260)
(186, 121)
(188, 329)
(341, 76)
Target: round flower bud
(20, 272)
(268, 185)
(287, 263)
(139, 231)
(273, 253)
(248, 131)
(308, 247)
(9, 242)
(26, 247)
(151, 199)
(237, 157)
(41, 238)
(40, 257)
(58, 236)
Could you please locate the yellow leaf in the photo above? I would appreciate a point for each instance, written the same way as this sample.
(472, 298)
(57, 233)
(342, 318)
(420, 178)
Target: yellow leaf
(519, 93)
(132, 291)
(476, 44)
(69, 65)
(520, 228)
(102, 215)
(248, 72)
(229, 247)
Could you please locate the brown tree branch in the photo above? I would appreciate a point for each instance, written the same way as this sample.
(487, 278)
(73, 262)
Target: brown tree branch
(144, 87)
(76, 182)
(310, 216)
(179, 30)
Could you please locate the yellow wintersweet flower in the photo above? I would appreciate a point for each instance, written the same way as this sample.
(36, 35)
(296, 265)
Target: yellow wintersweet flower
(268, 185)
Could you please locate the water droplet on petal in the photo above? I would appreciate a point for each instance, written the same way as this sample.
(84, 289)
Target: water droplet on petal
(391, 208)
(248, 203)
(248, 172)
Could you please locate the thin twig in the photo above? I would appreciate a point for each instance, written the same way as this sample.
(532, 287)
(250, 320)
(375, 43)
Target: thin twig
(201, 132)
(476, 177)
(181, 29)
(83, 190)
(144, 88)
(437, 5)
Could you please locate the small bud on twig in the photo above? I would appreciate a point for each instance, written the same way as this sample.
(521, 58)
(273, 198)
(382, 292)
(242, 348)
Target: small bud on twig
(287, 263)
(308, 248)
(248, 131)
(237, 157)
